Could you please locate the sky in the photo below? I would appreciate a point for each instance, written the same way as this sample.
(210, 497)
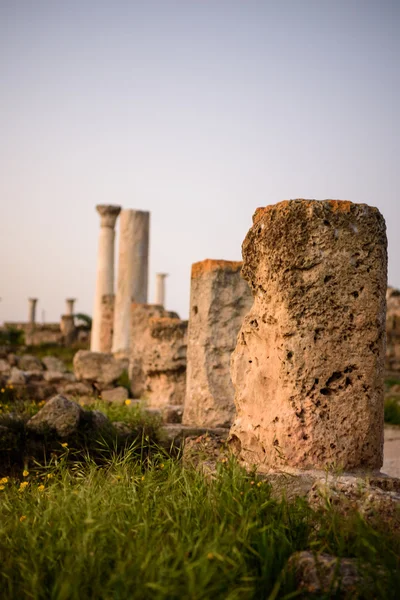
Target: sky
(198, 111)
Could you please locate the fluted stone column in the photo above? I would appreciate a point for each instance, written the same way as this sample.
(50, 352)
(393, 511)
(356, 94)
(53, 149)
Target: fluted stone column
(32, 311)
(132, 273)
(160, 288)
(105, 267)
(69, 303)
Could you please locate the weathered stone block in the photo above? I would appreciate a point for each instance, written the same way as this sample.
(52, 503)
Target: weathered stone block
(219, 300)
(308, 366)
(164, 362)
(98, 367)
(106, 322)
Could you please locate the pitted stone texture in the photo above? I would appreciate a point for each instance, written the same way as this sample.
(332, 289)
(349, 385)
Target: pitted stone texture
(139, 338)
(98, 367)
(106, 322)
(164, 362)
(308, 366)
(219, 300)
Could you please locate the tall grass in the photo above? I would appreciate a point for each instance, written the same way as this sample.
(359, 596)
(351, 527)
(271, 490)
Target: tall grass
(154, 529)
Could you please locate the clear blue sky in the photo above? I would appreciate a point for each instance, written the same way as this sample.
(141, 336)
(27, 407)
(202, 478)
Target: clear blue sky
(196, 110)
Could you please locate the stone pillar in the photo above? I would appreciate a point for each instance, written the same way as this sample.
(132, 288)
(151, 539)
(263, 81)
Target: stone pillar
(69, 303)
(132, 273)
(32, 311)
(160, 288)
(308, 368)
(105, 267)
(68, 330)
(219, 300)
(107, 323)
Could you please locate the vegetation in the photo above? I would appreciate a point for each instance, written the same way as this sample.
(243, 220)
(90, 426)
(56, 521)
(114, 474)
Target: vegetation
(84, 321)
(153, 529)
(11, 336)
(66, 354)
(392, 410)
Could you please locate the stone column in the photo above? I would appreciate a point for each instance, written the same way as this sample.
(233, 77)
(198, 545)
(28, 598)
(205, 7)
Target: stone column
(32, 311)
(105, 267)
(107, 323)
(68, 330)
(69, 303)
(160, 288)
(308, 368)
(132, 273)
(219, 300)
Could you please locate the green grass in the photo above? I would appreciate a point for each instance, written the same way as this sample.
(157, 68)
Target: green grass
(153, 529)
(130, 412)
(392, 411)
(66, 354)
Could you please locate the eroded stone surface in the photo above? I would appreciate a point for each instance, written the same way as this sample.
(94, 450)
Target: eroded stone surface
(308, 366)
(107, 322)
(164, 362)
(59, 414)
(219, 300)
(139, 338)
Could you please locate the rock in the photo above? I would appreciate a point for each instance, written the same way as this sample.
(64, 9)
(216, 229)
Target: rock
(204, 451)
(325, 574)
(87, 400)
(17, 377)
(139, 335)
(53, 363)
(27, 362)
(219, 300)
(309, 363)
(78, 389)
(58, 376)
(122, 429)
(348, 493)
(59, 415)
(98, 367)
(172, 414)
(117, 395)
(31, 376)
(39, 390)
(12, 360)
(98, 421)
(175, 434)
(5, 369)
(164, 362)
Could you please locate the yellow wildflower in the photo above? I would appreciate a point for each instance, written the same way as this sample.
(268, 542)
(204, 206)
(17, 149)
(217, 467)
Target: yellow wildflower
(162, 466)
(2, 390)
(41, 488)
(11, 387)
(22, 518)
(259, 483)
(1, 487)
(210, 556)
(49, 475)
(22, 486)
(128, 402)
(4, 480)
(64, 445)
(143, 478)
(25, 473)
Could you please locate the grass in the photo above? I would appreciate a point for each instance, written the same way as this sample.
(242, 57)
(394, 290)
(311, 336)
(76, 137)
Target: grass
(66, 354)
(392, 411)
(138, 529)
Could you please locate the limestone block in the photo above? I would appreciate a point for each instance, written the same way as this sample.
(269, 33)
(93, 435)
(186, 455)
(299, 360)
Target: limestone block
(309, 363)
(164, 362)
(5, 368)
(27, 362)
(219, 300)
(52, 363)
(99, 367)
(139, 335)
(17, 377)
(106, 322)
(117, 395)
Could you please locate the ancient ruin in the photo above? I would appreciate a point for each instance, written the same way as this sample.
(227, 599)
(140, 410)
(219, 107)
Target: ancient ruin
(105, 267)
(160, 288)
(219, 299)
(308, 367)
(107, 322)
(132, 273)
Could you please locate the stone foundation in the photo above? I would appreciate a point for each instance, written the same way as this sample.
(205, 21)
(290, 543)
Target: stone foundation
(308, 368)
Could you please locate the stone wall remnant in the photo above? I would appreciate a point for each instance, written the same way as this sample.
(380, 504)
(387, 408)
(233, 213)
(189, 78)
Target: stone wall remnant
(164, 362)
(219, 300)
(308, 368)
(139, 337)
(105, 266)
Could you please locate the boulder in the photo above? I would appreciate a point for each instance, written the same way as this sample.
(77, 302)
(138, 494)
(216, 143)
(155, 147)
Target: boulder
(27, 362)
(97, 367)
(5, 368)
(78, 389)
(58, 415)
(117, 395)
(52, 363)
(58, 376)
(17, 377)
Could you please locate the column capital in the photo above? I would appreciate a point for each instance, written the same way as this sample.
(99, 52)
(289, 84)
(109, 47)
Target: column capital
(32, 300)
(108, 214)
